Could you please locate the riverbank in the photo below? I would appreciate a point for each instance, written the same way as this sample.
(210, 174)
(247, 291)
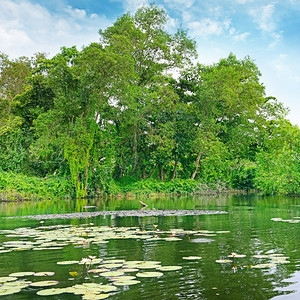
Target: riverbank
(19, 187)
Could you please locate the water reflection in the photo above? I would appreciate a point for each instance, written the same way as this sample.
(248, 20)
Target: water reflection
(247, 229)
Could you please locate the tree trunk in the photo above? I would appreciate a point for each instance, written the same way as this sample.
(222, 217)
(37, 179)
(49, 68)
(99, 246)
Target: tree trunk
(152, 172)
(135, 155)
(175, 170)
(196, 165)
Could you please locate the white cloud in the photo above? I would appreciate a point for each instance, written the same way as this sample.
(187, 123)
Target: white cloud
(208, 26)
(241, 37)
(265, 18)
(133, 5)
(27, 28)
(76, 13)
(180, 4)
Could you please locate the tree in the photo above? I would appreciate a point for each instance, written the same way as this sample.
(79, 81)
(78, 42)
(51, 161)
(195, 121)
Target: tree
(278, 163)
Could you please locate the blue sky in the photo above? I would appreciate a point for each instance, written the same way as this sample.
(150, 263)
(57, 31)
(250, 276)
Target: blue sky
(267, 31)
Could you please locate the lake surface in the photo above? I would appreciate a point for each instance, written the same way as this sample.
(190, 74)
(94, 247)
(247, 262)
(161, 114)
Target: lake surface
(247, 229)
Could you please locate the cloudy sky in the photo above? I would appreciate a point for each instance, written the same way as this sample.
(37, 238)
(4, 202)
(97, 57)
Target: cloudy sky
(267, 31)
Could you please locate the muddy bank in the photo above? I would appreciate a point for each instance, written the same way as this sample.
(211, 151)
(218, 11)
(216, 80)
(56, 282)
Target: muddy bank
(123, 213)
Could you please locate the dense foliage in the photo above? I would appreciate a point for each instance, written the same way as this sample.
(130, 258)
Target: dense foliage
(113, 117)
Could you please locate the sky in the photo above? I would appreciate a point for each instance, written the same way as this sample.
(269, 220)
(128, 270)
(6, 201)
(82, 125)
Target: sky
(267, 31)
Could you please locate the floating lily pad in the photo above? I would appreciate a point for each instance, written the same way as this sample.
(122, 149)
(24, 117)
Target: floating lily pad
(123, 278)
(8, 290)
(129, 270)
(114, 261)
(112, 273)
(21, 274)
(98, 270)
(169, 268)
(172, 239)
(223, 261)
(40, 274)
(235, 255)
(149, 274)
(112, 266)
(192, 257)
(202, 240)
(7, 279)
(68, 262)
(126, 282)
(93, 296)
(50, 292)
(44, 283)
(261, 256)
(263, 266)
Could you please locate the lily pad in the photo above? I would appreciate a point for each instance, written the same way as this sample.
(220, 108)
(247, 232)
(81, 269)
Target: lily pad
(261, 256)
(8, 290)
(112, 266)
(263, 266)
(68, 262)
(149, 274)
(172, 239)
(126, 282)
(223, 261)
(93, 296)
(50, 292)
(235, 255)
(123, 278)
(112, 273)
(44, 283)
(40, 274)
(21, 274)
(169, 268)
(129, 270)
(192, 257)
(7, 279)
(98, 270)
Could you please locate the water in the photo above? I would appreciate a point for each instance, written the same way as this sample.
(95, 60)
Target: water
(251, 232)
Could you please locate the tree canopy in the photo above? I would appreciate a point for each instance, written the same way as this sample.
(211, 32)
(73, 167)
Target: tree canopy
(115, 112)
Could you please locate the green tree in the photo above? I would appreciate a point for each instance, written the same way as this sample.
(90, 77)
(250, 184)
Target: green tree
(278, 163)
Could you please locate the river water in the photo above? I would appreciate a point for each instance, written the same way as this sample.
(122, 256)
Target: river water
(258, 228)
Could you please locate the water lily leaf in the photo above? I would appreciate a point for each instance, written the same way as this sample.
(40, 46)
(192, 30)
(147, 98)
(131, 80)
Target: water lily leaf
(114, 261)
(8, 290)
(68, 262)
(235, 255)
(169, 268)
(98, 270)
(44, 274)
(149, 274)
(192, 257)
(126, 282)
(5, 251)
(21, 274)
(172, 239)
(261, 256)
(50, 292)
(223, 261)
(129, 270)
(93, 296)
(123, 278)
(74, 273)
(7, 278)
(112, 266)
(112, 273)
(44, 283)
(263, 266)
(106, 288)
(280, 261)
